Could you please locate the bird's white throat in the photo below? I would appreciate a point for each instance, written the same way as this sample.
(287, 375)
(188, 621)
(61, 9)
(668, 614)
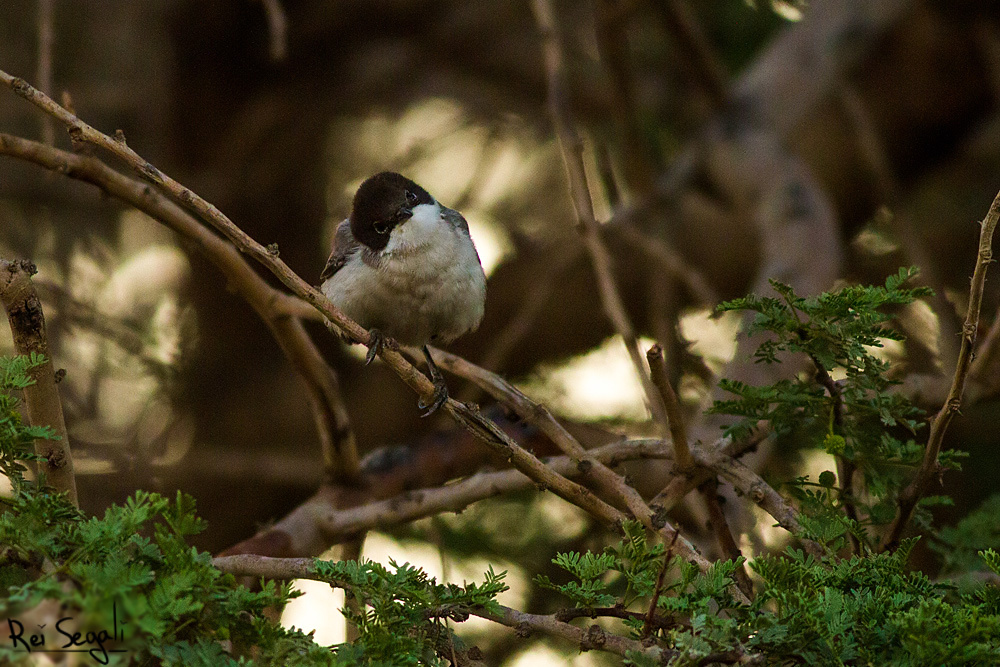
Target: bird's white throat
(424, 227)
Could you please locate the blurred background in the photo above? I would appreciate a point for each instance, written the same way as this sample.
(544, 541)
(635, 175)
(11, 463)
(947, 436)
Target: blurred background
(727, 142)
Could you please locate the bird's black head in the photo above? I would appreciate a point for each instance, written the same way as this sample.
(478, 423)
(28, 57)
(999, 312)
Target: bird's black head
(381, 203)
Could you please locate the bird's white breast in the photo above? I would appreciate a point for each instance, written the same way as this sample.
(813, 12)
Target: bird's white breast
(426, 284)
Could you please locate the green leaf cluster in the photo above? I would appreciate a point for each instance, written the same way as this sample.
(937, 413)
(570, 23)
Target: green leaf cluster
(16, 437)
(862, 610)
(401, 613)
(858, 416)
(868, 610)
(960, 546)
(132, 571)
(134, 564)
(691, 607)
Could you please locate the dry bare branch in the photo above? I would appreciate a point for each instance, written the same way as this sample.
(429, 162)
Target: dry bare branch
(336, 437)
(589, 228)
(929, 466)
(41, 399)
(539, 416)
(337, 525)
(672, 408)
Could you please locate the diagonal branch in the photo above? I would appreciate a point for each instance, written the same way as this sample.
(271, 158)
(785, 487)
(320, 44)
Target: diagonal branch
(588, 227)
(929, 466)
(678, 432)
(412, 505)
(539, 416)
(336, 437)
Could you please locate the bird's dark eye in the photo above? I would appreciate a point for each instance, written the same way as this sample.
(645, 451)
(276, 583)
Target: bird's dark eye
(380, 227)
(411, 197)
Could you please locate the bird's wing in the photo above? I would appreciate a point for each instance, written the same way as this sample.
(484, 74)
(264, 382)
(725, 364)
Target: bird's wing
(344, 245)
(455, 218)
(458, 221)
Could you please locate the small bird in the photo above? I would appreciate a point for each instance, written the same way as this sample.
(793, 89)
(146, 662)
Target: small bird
(404, 267)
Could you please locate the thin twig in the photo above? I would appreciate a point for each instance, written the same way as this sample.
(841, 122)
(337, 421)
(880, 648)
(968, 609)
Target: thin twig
(647, 626)
(41, 399)
(588, 227)
(724, 534)
(929, 467)
(845, 468)
(672, 408)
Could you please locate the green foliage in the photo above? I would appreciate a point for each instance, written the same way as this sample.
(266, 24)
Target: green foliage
(624, 577)
(858, 417)
(868, 610)
(863, 610)
(173, 607)
(129, 574)
(15, 436)
(960, 546)
(834, 330)
(401, 614)
(132, 575)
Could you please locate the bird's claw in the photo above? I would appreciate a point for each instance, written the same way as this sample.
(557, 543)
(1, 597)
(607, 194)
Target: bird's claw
(376, 341)
(440, 394)
(438, 398)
